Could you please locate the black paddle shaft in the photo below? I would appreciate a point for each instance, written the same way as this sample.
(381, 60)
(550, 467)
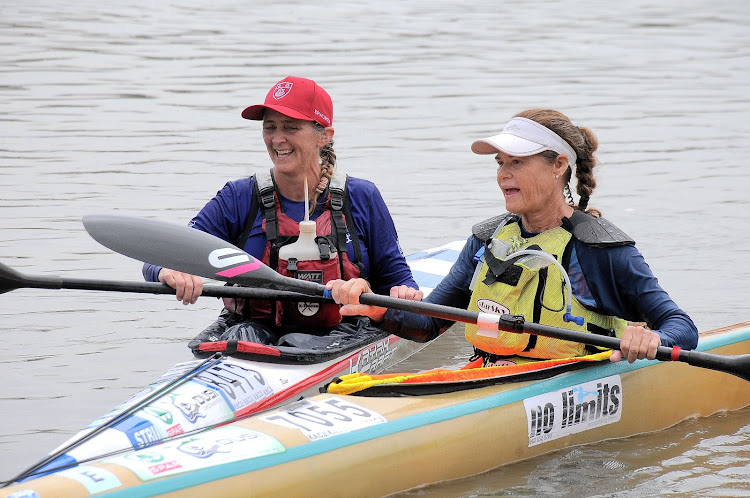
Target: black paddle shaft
(11, 279)
(738, 365)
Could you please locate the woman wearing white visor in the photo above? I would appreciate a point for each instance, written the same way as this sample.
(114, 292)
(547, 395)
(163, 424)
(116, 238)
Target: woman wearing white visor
(550, 259)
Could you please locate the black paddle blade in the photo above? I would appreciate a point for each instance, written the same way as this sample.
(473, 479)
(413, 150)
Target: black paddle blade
(10, 279)
(187, 250)
(738, 365)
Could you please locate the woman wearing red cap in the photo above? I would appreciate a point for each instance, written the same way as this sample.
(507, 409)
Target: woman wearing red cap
(356, 236)
(555, 261)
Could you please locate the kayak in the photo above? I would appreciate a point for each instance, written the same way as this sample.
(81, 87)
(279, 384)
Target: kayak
(197, 394)
(377, 443)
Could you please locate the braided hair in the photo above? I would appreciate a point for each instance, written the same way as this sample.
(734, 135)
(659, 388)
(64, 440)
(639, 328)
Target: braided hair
(327, 165)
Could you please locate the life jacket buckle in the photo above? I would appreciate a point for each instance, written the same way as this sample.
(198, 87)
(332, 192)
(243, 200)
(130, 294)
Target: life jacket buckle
(337, 201)
(267, 198)
(324, 246)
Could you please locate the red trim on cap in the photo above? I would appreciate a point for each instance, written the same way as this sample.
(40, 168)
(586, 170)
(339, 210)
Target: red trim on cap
(675, 353)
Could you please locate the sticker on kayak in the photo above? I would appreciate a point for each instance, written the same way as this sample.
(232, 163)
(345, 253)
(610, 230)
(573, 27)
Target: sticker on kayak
(322, 419)
(240, 386)
(372, 358)
(94, 479)
(26, 493)
(173, 373)
(573, 409)
(215, 447)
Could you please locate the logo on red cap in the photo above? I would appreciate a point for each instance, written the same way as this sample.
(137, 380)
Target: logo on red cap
(309, 101)
(282, 89)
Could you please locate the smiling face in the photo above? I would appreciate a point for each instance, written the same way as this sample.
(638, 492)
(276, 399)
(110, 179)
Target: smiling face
(531, 189)
(293, 144)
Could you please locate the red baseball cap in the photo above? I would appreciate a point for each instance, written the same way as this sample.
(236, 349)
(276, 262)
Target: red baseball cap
(298, 98)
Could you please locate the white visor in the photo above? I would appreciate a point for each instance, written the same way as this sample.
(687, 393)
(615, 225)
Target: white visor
(523, 137)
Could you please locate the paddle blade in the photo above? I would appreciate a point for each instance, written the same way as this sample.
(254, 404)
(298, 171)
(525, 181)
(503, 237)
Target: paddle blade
(738, 365)
(188, 250)
(10, 279)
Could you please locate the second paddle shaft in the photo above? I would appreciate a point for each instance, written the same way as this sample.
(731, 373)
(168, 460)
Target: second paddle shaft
(515, 323)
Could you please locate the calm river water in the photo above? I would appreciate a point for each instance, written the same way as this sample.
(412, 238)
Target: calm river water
(134, 107)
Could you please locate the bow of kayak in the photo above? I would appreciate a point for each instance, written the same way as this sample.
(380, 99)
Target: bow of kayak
(194, 395)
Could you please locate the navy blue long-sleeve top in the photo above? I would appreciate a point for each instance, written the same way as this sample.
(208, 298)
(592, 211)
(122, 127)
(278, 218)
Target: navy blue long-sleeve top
(613, 280)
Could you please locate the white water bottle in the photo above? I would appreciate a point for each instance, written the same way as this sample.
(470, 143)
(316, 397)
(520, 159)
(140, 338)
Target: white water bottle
(305, 248)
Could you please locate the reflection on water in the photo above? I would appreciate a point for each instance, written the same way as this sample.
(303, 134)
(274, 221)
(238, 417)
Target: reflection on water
(135, 108)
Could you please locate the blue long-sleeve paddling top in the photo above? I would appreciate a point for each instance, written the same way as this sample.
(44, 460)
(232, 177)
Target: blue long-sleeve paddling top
(613, 280)
(384, 264)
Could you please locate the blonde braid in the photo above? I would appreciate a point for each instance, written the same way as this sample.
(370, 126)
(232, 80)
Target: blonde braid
(327, 166)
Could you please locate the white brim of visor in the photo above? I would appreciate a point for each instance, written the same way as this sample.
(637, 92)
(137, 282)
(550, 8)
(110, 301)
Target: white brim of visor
(523, 137)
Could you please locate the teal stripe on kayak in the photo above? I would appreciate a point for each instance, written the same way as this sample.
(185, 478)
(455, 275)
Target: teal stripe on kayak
(723, 340)
(202, 476)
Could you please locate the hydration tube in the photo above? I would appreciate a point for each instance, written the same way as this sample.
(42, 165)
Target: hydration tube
(568, 316)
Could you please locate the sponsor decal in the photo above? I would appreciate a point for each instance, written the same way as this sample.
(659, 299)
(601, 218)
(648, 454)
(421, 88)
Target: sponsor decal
(161, 468)
(490, 306)
(282, 90)
(25, 493)
(240, 261)
(204, 404)
(94, 479)
(140, 431)
(175, 430)
(145, 456)
(325, 118)
(145, 436)
(308, 309)
(163, 415)
(573, 409)
(203, 448)
(310, 275)
(239, 386)
(371, 358)
(215, 447)
(322, 419)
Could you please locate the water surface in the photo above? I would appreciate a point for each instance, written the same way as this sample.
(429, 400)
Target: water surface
(133, 107)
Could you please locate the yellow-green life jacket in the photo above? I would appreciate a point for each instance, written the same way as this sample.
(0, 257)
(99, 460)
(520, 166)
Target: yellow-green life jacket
(521, 286)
